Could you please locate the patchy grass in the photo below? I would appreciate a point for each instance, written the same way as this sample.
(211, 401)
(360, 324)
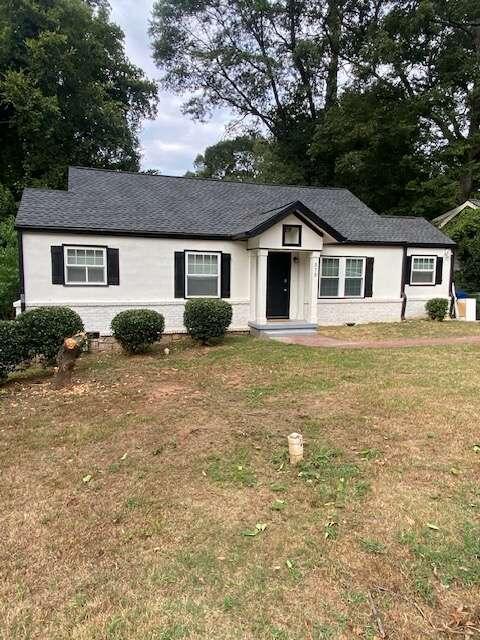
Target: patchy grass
(154, 499)
(406, 329)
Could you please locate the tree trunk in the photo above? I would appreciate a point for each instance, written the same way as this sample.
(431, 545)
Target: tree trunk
(66, 359)
(334, 28)
(472, 155)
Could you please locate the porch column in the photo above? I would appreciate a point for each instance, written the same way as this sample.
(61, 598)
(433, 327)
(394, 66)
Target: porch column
(261, 287)
(313, 287)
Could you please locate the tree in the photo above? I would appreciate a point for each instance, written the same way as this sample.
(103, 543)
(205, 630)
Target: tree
(431, 49)
(9, 278)
(379, 143)
(275, 63)
(68, 94)
(231, 159)
(465, 230)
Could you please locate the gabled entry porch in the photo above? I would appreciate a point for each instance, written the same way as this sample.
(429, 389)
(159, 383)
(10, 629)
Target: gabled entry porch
(284, 286)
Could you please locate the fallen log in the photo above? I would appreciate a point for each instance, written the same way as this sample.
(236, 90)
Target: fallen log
(66, 358)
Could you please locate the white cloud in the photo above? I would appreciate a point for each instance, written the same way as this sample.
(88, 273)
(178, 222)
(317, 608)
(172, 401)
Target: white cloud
(171, 142)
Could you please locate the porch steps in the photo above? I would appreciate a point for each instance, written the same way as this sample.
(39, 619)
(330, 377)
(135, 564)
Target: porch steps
(279, 329)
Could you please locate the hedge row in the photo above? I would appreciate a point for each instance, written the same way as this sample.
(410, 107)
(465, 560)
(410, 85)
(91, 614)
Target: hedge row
(204, 319)
(39, 332)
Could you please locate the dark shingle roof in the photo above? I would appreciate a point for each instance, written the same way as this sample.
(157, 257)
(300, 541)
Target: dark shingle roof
(111, 201)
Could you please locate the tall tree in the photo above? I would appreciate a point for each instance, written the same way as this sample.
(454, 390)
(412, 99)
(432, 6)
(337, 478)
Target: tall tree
(68, 94)
(431, 49)
(276, 62)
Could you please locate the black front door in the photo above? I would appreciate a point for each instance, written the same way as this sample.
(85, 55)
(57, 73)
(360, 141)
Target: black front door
(278, 285)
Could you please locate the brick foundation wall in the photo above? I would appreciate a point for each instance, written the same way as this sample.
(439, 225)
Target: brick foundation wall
(337, 312)
(97, 317)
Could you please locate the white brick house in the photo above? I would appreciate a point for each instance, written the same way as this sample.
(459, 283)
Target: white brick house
(303, 255)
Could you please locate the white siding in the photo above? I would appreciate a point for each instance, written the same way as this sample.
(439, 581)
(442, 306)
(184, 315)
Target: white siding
(146, 278)
(417, 295)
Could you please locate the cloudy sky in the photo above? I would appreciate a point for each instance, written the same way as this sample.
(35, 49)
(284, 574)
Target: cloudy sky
(171, 142)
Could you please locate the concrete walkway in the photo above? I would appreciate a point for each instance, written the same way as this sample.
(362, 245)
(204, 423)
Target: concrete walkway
(324, 341)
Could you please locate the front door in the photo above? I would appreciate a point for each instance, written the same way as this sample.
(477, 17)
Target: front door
(278, 285)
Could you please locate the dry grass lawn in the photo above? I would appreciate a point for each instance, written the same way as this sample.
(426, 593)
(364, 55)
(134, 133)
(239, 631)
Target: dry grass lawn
(407, 329)
(128, 502)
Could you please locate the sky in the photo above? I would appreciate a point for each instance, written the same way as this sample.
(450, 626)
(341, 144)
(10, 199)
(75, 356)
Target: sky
(171, 142)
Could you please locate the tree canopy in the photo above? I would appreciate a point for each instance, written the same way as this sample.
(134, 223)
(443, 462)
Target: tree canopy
(382, 97)
(68, 95)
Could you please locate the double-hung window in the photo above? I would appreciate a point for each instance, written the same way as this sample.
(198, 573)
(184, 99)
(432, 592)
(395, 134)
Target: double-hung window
(342, 277)
(423, 270)
(85, 265)
(202, 274)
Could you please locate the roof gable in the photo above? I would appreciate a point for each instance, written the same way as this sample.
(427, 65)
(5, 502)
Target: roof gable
(306, 215)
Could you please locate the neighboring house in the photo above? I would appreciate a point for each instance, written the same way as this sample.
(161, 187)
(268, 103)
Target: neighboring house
(445, 218)
(306, 255)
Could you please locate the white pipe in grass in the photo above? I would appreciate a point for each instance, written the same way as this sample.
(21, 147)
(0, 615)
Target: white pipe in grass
(295, 448)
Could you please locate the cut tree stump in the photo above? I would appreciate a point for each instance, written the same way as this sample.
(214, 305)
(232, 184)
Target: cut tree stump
(66, 359)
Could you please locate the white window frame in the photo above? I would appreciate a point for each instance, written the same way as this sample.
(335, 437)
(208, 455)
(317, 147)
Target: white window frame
(86, 248)
(197, 275)
(434, 271)
(342, 267)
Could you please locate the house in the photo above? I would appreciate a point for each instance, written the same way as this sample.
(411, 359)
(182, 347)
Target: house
(445, 218)
(302, 255)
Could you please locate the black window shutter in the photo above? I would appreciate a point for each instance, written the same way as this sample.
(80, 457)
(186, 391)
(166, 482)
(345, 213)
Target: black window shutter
(408, 270)
(113, 267)
(369, 277)
(179, 274)
(439, 271)
(58, 273)
(225, 276)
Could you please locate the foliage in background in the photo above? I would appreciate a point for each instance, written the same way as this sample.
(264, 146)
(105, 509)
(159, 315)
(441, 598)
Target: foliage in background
(137, 329)
(380, 97)
(207, 318)
(465, 230)
(68, 96)
(44, 329)
(68, 93)
(9, 277)
(235, 159)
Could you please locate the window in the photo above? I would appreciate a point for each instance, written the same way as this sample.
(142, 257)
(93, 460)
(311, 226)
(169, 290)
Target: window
(329, 277)
(354, 276)
(85, 265)
(202, 275)
(423, 270)
(292, 235)
(342, 277)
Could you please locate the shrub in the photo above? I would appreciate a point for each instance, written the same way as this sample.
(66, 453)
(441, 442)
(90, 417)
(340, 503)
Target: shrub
(137, 329)
(207, 318)
(11, 347)
(437, 308)
(44, 329)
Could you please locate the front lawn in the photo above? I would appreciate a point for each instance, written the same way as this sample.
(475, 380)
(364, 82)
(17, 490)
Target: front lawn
(406, 329)
(154, 500)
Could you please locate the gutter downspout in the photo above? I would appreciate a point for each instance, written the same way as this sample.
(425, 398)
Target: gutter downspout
(451, 291)
(402, 286)
(21, 271)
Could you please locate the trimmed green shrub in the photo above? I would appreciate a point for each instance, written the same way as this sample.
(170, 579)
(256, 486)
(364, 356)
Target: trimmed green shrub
(44, 329)
(11, 347)
(437, 308)
(137, 329)
(207, 318)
